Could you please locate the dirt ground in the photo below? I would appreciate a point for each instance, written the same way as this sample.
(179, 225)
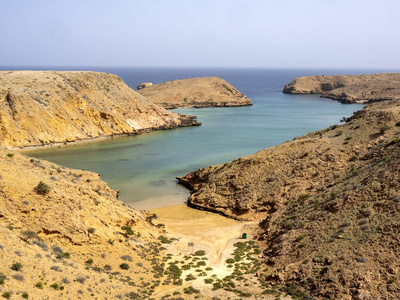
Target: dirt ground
(207, 231)
(212, 233)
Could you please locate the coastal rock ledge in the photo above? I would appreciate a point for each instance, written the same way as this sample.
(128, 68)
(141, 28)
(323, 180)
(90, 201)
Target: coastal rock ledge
(349, 88)
(40, 108)
(194, 92)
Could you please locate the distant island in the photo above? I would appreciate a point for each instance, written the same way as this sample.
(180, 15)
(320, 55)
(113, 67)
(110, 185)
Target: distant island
(194, 92)
(349, 88)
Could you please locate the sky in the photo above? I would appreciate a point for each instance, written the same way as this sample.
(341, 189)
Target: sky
(201, 33)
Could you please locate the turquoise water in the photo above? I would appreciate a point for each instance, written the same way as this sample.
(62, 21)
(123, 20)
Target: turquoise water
(143, 168)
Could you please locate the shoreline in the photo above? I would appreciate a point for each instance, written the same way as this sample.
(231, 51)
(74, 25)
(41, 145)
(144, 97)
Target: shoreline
(89, 140)
(157, 203)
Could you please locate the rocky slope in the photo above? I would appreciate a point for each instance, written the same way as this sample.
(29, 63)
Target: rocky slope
(197, 92)
(330, 205)
(349, 89)
(64, 238)
(46, 107)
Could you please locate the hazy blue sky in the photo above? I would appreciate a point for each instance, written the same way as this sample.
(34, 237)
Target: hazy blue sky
(201, 33)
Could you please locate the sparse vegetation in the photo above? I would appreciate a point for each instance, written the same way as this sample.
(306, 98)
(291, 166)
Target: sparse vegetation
(124, 266)
(2, 278)
(16, 266)
(39, 285)
(42, 188)
(384, 128)
(128, 230)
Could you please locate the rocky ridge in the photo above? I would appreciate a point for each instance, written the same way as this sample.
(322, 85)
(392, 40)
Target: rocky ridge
(349, 88)
(329, 204)
(196, 92)
(45, 107)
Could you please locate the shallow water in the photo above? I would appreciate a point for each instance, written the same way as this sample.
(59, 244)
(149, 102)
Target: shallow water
(143, 167)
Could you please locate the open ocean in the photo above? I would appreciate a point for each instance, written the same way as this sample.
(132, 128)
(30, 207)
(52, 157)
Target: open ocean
(143, 167)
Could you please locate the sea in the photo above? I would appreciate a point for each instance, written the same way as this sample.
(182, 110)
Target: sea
(144, 167)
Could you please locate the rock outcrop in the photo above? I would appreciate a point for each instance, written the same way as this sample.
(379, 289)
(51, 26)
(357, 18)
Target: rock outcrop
(348, 88)
(143, 85)
(196, 92)
(329, 202)
(47, 107)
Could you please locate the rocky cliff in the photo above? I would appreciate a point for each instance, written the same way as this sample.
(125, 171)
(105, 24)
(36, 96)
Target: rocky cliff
(329, 203)
(197, 92)
(46, 107)
(349, 89)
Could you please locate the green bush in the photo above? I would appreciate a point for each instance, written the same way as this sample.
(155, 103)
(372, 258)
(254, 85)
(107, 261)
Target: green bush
(16, 266)
(128, 230)
(384, 128)
(124, 266)
(6, 295)
(10, 154)
(89, 261)
(200, 253)
(300, 237)
(55, 286)
(25, 295)
(230, 261)
(39, 285)
(29, 235)
(42, 188)
(353, 158)
(303, 197)
(2, 278)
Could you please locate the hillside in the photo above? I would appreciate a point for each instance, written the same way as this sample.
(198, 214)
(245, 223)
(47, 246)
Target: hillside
(349, 88)
(196, 92)
(68, 238)
(329, 204)
(47, 107)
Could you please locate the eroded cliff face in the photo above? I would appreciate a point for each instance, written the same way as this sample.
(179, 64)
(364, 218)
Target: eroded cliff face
(46, 107)
(196, 92)
(329, 203)
(348, 88)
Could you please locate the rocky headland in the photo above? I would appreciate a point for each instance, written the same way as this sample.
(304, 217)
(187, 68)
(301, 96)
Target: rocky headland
(328, 203)
(47, 107)
(349, 88)
(194, 92)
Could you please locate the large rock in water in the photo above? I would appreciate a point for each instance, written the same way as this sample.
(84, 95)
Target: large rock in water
(349, 88)
(45, 107)
(197, 92)
(328, 201)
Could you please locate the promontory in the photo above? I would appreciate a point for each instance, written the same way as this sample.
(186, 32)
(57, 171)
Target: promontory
(349, 88)
(195, 92)
(47, 107)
